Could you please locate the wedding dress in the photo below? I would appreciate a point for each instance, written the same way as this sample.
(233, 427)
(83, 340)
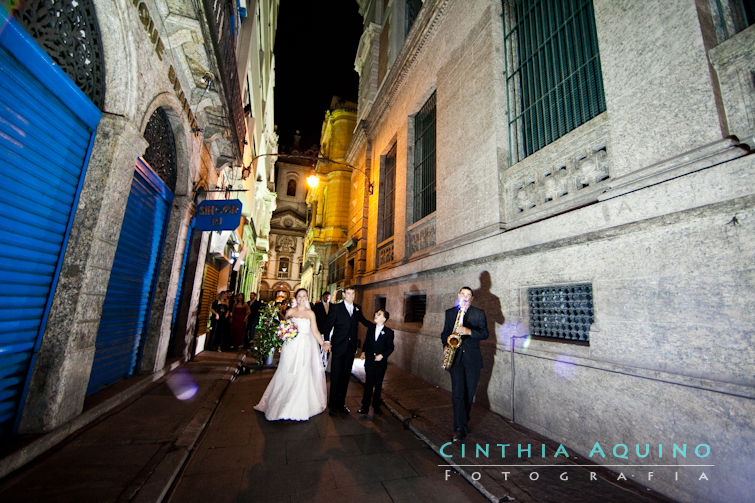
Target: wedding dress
(297, 390)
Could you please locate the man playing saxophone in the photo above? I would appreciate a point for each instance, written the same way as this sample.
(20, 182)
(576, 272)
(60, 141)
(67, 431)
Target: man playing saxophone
(468, 322)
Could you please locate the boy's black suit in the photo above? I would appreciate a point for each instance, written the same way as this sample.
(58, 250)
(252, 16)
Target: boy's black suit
(374, 370)
(344, 342)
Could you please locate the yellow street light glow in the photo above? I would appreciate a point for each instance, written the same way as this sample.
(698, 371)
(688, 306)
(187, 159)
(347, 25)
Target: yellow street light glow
(312, 181)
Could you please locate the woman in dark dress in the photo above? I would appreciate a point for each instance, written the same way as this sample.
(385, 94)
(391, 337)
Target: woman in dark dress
(219, 315)
(239, 316)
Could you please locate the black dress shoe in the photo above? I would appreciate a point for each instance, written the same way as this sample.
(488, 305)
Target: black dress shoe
(362, 411)
(377, 411)
(345, 410)
(459, 436)
(332, 413)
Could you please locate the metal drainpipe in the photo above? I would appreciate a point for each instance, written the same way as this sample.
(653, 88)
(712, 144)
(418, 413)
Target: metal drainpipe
(513, 374)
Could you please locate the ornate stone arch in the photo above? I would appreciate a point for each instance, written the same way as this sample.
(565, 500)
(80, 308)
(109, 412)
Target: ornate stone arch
(166, 103)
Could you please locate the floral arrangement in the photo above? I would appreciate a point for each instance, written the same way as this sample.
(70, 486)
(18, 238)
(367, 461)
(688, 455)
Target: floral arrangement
(286, 331)
(266, 335)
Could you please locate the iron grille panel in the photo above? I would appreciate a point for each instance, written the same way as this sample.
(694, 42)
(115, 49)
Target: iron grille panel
(553, 72)
(69, 33)
(222, 26)
(561, 312)
(424, 160)
(161, 152)
(387, 190)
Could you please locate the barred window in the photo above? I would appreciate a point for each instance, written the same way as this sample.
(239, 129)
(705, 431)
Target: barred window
(561, 312)
(386, 197)
(415, 306)
(412, 11)
(424, 160)
(553, 75)
(337, 268)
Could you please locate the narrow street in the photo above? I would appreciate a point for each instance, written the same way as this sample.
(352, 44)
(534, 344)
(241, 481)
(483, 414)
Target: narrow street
(243, 457)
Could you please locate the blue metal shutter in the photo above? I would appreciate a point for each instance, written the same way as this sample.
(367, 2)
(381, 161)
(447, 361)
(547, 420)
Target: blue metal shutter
(125, 313)
(179, 291)
(46, 132)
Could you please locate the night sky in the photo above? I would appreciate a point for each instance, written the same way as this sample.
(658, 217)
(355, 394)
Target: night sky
(315, 46)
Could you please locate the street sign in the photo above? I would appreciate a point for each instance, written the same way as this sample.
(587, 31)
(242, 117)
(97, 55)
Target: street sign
(218, 215)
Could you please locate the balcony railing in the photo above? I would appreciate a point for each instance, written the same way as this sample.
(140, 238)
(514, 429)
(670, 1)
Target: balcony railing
(223, 29)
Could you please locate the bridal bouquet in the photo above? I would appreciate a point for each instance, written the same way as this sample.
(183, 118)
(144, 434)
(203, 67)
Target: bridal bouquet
(287, 330)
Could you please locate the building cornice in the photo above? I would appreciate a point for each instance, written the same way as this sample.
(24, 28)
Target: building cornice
(358, 142)
(430, 17)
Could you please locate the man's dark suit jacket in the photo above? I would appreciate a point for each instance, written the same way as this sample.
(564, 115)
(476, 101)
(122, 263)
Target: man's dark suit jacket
(344, 339)
(321, 316)
(468, 354)
(382, 346)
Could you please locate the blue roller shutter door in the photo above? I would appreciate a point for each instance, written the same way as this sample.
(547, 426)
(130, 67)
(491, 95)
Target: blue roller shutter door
(125, 313)
(46, 132)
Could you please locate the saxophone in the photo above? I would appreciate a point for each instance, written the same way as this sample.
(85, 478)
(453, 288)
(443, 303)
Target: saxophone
(452, 342)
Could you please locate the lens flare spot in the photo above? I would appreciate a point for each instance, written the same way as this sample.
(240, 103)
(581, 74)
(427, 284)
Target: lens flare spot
(182, 384)
(564, 368)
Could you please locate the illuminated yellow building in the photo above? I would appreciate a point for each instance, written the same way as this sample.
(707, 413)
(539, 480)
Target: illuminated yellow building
(327, 242)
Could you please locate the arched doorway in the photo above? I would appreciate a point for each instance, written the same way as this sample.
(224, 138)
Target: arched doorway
(128, 302)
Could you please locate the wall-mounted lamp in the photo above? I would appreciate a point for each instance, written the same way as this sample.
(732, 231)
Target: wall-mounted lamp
(319, 158)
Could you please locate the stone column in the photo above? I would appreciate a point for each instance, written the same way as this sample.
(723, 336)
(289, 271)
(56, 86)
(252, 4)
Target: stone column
(160, 326)
(61, 371)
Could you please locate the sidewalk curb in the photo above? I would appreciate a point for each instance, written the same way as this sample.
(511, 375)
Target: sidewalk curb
(407, 422)
(157, 485)
(47, 441)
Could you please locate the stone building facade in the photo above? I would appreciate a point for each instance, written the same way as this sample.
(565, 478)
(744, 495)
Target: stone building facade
(329, 260)
(171, 100)
(595, 188)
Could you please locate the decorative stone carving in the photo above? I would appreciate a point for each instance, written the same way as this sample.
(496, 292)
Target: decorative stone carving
(285, 244)
(546, 186)
(385, 254)
(591, 169)
(421, 237)
(70, 34)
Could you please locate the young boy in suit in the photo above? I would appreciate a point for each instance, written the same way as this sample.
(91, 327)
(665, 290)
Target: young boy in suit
(378, 345)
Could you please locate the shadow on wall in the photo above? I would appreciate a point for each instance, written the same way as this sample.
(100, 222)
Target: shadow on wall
(491, 304)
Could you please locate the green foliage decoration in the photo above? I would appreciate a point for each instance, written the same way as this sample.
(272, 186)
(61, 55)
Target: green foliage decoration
(265, 337)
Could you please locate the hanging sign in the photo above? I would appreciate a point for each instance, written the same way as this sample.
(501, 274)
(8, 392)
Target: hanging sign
(218, 215)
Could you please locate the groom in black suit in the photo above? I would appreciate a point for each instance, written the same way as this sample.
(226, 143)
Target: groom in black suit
(343, 319)
(465, 370)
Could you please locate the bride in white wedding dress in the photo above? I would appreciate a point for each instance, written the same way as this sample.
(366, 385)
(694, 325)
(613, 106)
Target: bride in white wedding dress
(297, 390)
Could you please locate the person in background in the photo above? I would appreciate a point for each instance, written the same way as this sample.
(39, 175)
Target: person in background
(219, 314)
(321, 309)
(378, 345)
(254, 318)
(239, 316)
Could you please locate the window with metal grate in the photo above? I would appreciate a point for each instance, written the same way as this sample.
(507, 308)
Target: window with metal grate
(553, 75)
(424, 160)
